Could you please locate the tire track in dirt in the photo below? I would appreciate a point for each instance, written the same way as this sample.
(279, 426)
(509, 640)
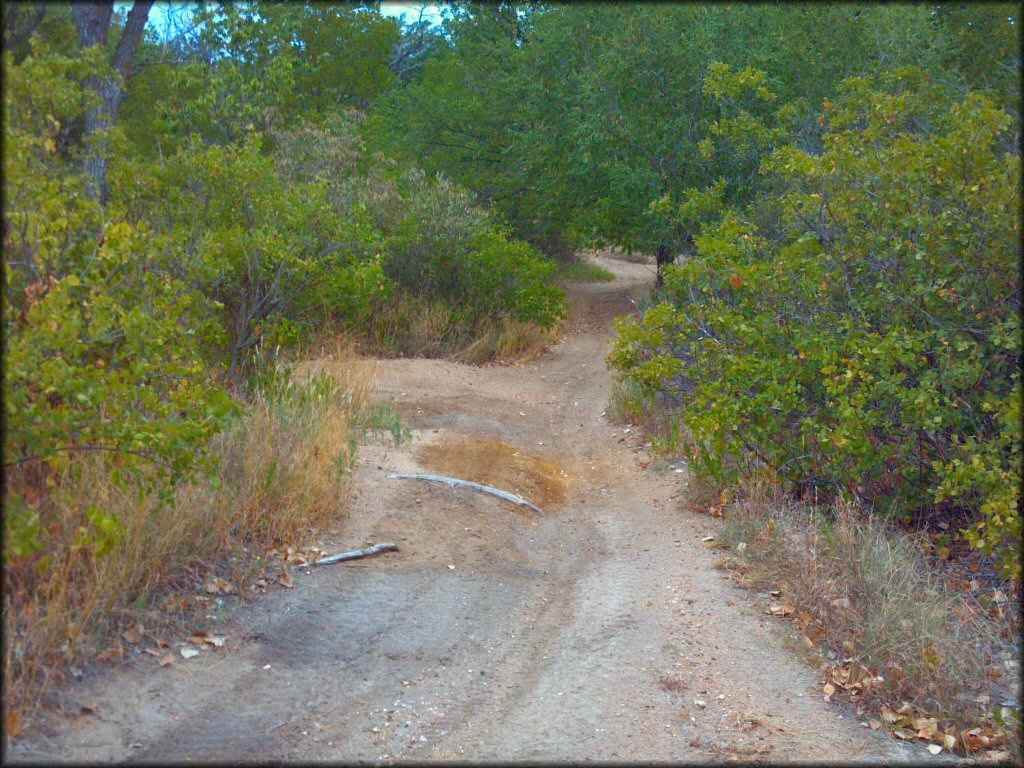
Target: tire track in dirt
(491, 634)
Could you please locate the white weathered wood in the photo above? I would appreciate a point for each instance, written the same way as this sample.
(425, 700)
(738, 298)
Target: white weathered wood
(453, 482)
(355, 554)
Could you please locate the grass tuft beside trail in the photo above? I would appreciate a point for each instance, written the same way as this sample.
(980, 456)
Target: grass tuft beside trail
(119, 562)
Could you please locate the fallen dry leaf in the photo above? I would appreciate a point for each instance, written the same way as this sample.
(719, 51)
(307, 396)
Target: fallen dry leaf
(217, 585)
(206, 638)
(151, 651)
(934, 749)
(188, 653)
(134, 634)
(166, 660)
(12, 723)
(111, 654)
(285, 580)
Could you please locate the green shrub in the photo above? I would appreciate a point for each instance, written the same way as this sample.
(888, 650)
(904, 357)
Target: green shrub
(443, 247)
(276, 255)
(102, 345)
(858, 329)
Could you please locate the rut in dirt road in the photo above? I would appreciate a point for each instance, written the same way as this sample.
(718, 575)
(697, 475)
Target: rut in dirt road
(598, 630)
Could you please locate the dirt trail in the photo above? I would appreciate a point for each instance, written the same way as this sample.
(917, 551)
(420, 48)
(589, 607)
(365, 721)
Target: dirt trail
(493, 634)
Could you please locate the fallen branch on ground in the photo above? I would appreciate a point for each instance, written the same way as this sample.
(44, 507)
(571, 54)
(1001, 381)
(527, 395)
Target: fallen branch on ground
(453, 482)
(355, 554)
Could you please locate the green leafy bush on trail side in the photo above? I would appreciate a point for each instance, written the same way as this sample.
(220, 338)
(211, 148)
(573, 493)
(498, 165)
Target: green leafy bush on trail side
(858, 329)
(102, 346)
(440, 247)
(276, 255)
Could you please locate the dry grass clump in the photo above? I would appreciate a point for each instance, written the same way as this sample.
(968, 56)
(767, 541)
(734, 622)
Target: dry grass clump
(410, 327)
(659, 418)
(111, 550)
(863, 592)
(510, 340)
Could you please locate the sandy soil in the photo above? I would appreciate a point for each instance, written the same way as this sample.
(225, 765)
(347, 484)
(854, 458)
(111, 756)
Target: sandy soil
(588, 633)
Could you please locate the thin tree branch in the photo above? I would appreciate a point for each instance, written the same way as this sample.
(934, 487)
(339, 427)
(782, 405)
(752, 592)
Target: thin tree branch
(82, 448)
(132, 36)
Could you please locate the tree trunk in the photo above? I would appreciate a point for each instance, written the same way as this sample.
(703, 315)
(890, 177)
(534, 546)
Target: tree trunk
(92, 21)
(663, 258)
(16, 36)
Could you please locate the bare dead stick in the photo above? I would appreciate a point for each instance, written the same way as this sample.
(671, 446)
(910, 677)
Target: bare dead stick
(355, 554)
(453, 482)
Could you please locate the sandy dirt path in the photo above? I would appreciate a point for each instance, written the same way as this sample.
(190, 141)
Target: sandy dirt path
(588, 633)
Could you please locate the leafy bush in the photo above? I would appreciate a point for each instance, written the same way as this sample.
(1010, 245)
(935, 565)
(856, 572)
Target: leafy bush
(857, 329)
(102, 345)
(444, 247)
(276, 255)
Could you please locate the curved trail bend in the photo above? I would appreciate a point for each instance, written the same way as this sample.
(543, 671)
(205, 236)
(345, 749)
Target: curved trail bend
(494, 634)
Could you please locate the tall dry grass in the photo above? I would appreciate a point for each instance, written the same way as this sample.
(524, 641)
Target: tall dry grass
(114, 557)
(656, 415)
(509, 340)
(409, 327)
(864, 590)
